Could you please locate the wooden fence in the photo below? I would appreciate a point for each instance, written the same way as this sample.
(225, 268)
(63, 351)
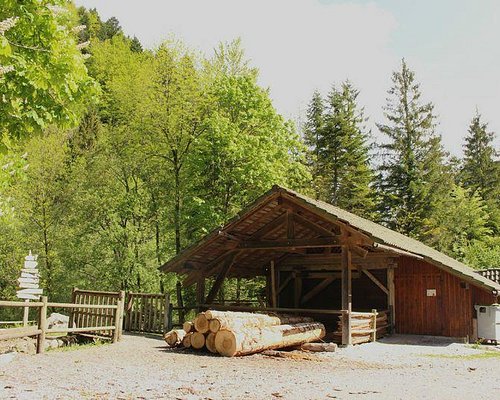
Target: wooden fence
(143, 313)
(85, 316)
(114, 324)
(147, 312)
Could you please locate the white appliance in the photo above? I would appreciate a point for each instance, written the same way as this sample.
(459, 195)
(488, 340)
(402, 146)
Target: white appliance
(488, 322)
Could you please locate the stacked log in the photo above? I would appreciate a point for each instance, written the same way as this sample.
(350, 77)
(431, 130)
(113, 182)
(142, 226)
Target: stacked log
(363, 326)
(240, 333)
(174, 337)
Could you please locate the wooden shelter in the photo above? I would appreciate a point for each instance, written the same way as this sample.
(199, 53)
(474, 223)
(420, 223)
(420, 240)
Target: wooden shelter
(322, 260)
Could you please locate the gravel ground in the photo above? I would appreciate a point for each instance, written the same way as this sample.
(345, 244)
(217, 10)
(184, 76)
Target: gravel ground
(144, 368)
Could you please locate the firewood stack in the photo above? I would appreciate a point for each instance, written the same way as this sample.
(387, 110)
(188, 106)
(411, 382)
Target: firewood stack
(240, 333)
(365, 327)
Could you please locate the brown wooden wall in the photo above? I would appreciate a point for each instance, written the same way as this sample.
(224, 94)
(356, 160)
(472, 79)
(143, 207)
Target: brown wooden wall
(450, 313)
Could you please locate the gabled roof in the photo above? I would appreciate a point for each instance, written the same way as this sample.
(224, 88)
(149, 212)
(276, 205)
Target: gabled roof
(252, 218)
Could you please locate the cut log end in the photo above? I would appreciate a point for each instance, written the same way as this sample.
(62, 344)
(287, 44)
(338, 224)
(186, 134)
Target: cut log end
(197, 340)
(186, 342)
(201, 323)
(210, 342)
(225, 343)
(214, 325)
(174, 337)
(188, 326)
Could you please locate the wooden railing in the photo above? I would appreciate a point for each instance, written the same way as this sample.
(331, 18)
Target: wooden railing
(41, 330)
(91, 316)
(147, 312)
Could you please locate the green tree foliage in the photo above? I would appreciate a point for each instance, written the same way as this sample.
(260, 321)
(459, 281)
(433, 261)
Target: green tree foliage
(459, 220)
(412, 176)
(98, 30)
(248, 146)
(43, 79)
(339, 150)
(484, 253)
(480, 170)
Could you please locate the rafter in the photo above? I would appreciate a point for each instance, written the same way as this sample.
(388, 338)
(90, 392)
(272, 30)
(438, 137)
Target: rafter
(269, 227)
(287, 244)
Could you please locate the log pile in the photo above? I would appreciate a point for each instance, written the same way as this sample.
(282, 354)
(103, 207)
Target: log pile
(363, 326)
(240, 333)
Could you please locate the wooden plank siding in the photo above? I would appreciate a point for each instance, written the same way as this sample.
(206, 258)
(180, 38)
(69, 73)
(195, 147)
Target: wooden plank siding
(449, 313)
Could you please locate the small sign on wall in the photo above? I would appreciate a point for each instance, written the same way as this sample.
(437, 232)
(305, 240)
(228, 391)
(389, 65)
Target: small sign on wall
(431, 292)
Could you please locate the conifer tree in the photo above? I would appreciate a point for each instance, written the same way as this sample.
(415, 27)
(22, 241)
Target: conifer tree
(312, 132)
(338, 150)
(413, 178)
(480, 172)
(343, 145)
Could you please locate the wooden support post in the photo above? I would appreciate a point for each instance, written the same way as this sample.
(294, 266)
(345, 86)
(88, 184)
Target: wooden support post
(180, 302)
(391, 298)
(71, 321)
(167, 321)
(374, 325)
(118, 317)
(346, 296)
(200, 292)
(298, 290)
(274, 297)
(42, 325)
(121, 306)
(26, 313)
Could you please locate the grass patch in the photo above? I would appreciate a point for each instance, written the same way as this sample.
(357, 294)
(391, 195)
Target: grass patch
(83, 346)
(483, 355)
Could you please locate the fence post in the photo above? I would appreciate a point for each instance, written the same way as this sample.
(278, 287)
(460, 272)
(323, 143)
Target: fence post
(121, 299)
(71, 321)
(168, 314)
(374, 336)
(118, 318)
(42, 325)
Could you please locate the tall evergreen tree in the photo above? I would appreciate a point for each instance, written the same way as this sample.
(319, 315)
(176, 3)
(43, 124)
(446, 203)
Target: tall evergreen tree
(480, 172)
(344, 150)
(412, 176)
(338, 150)
(312, 131)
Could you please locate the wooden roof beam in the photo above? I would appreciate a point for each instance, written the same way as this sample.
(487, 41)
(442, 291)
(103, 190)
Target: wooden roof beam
(270, 227)
(289, 244)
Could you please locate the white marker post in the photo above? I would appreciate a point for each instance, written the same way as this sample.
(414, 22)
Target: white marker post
(29, 283)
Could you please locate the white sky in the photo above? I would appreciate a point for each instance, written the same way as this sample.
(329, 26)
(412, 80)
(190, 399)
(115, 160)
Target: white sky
(302, 45)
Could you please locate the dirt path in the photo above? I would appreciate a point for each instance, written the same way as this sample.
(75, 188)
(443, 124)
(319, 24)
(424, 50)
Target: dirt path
(143, 368)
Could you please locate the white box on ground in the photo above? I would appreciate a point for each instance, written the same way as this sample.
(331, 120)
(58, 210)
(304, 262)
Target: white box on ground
(488, 322)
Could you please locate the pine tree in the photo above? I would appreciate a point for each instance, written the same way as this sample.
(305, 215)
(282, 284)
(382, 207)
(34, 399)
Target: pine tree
(412, 176)
(339, 158)
(480, 172)
(312, 131)
(344, 151)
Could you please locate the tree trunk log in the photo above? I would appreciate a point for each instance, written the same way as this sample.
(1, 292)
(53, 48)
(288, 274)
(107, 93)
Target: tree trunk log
(201, 323)
(319, 347)
(197, 340)
(253, 340)
(188, 326)
(210, 342)
(186, 342)
(174, 337)
(236, 321)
